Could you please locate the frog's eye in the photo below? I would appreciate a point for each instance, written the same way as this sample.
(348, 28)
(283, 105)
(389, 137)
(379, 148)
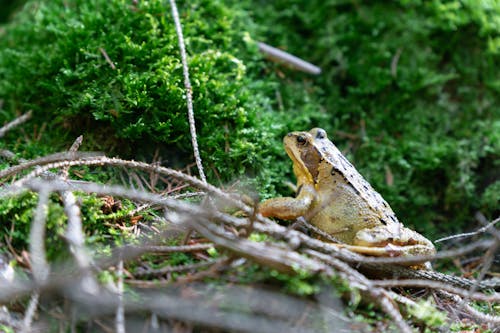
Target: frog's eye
(320, 134)
(301, 139)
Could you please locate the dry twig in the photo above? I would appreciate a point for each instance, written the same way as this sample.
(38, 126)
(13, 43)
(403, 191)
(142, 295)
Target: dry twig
(320, 257)
(19, 120)
(189, 90)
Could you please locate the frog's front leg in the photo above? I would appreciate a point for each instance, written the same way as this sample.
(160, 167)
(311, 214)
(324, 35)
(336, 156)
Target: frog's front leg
(289, 208)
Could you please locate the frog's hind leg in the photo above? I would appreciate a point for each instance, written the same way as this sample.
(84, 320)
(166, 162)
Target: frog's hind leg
(389, 250)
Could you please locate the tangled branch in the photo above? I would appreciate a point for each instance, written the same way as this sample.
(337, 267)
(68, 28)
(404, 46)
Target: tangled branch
(290, 253)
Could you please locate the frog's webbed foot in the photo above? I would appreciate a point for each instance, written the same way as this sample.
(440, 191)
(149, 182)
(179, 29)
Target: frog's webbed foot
(389, 250)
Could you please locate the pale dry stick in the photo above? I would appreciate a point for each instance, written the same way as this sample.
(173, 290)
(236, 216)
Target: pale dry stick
(19, 120)
(74, 147)
(466, 308)
(76, 240)
(74, 231)
(176, 249)
(107, 58)
(120, 310)
(187, 195)
(394, 63)
(289, 59)
(10, 156)
(481, 317)
(67, 160)
(495, 297)
(189, 90)
(204, 312)
(487, 262)
(30, 312)
(279, 258)
(488, 226)
(74, 234)
(13, 170)
(39, 264)
(473, 233)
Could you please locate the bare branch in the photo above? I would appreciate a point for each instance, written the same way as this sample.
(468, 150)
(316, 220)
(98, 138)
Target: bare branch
(39, 265)
(479, 316)
(107, 58)
(176, 249)
(19, 120)
(469, 234)
(43, 161)
(488, 226)
(74, 147)
(189, 90)
(30, 312)
(120, 311)
(438, 286)
(289, 59)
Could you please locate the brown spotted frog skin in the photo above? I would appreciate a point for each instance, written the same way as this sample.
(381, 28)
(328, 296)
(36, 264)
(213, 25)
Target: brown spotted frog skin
(333, 196)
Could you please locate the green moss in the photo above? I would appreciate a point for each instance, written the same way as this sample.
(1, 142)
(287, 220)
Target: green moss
(53, 60)
(408, 90)
(16, 219)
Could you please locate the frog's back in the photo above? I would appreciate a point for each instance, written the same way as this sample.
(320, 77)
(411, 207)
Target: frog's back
(371, 198)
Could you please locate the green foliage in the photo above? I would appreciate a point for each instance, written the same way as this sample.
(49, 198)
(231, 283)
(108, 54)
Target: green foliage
(6, 329)
(101, 229)
(427, 312)
(53, 60)
(16, 220)
(408, 90)
(302, 283)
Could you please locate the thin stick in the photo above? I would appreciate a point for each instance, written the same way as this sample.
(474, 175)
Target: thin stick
(108, 59)
(473, 233)
(39, 265)
(189, 90)
(495, 297)
(14, 123)
(175, 249)
(30, 312)
(289, 59)
(120, 311)
(74, 147)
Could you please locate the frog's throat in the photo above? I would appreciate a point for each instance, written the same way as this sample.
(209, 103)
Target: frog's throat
(299, 168)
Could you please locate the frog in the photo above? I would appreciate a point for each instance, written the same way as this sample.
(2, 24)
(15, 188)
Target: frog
(334, 197)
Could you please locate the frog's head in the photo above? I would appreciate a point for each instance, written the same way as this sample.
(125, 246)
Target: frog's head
(305, 153)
